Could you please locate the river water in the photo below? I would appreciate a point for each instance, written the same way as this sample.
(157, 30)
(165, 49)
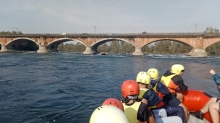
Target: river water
(67, 87)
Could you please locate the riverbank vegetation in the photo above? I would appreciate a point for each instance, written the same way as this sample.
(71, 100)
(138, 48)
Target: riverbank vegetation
(120, 47)
(115, 47)
(11, 33)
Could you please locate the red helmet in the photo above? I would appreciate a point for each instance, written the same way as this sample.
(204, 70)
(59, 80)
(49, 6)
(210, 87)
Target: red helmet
(114, 102)
(129, 88)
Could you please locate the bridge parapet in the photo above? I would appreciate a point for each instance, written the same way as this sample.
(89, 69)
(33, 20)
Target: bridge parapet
(111, 35)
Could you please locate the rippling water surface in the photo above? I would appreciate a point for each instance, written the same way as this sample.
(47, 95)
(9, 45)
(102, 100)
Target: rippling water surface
(67, 87)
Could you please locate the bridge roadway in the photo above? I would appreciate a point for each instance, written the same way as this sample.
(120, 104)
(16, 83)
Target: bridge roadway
(50, 42)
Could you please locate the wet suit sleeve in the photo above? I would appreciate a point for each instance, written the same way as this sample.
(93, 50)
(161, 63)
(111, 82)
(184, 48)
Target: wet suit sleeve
(152, 97)
(179, 81)
(162, 88)
(143, 113)
(216, 77)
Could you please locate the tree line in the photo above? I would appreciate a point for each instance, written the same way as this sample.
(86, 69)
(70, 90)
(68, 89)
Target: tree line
(114, 47)
(11, 33)
(65, 47)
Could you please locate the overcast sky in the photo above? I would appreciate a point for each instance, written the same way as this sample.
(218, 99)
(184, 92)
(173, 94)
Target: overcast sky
(108, 16)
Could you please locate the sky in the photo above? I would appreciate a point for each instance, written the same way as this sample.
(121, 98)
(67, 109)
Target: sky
(109, 16)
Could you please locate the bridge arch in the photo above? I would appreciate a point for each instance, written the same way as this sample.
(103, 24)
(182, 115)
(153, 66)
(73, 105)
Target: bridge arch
(209, 42)
(15, 39)
(174, 40)
(168, 39)
(167, 46)
(95, 45)
(62, 40)
(10, 43)
(53, 45)
(213, 47)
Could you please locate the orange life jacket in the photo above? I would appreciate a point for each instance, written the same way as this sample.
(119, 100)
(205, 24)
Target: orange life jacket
(166, 80)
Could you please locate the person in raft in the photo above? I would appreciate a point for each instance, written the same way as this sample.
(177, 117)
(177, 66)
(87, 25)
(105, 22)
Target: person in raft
(163, 91)
(213, 105)
(216, 78)
(174, 81)
(114, 102)
(153, 101)
(108, 114)
(130, 91)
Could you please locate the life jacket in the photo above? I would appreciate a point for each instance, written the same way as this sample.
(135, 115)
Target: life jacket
(158, 93)
(131, 111)
(142, 92)
(166, 80)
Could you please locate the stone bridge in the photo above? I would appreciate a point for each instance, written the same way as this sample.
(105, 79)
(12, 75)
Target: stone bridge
(49, 42)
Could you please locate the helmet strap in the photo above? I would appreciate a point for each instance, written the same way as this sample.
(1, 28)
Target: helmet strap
(128, 98)
(130, 102)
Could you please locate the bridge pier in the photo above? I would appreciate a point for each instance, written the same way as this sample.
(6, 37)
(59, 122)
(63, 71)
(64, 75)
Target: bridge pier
(198, 52)
(3, 48)
(42, 49)
(137, 52)
(89, 51)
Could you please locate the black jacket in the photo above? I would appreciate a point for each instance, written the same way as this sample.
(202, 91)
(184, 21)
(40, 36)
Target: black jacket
(178, 80)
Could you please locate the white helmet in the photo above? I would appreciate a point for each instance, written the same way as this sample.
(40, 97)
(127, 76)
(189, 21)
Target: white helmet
(108, 114)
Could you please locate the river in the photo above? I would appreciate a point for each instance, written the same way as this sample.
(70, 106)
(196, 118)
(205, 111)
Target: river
(67, 87)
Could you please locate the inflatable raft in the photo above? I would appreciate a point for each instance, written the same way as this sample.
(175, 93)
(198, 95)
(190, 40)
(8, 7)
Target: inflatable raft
(194, 100)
